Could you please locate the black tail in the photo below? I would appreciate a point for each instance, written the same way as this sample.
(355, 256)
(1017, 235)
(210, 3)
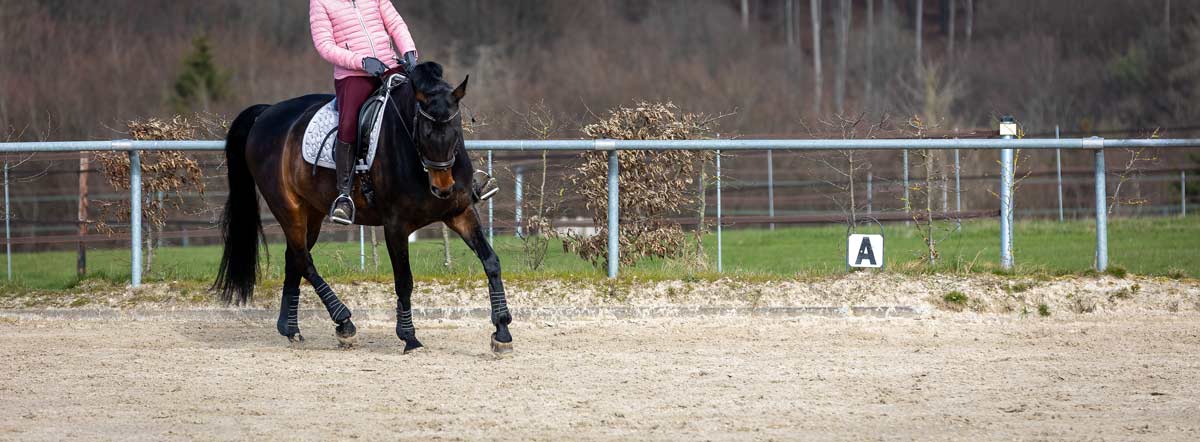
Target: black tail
(241, 227)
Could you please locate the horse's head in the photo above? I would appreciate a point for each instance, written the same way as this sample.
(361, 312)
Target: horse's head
(438, 132)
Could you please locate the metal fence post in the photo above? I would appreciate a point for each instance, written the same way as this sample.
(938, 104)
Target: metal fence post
(720, 256)
(1101, 211)
(614, 213)
(771, 186)
(1182, 193)
(362, 248)
(1058, 174)
(491, 205)
(519, 191)
(1008, 131)
(7, 227)
(135, 217)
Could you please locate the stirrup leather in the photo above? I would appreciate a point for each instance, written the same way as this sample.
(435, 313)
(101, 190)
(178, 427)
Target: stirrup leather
(333, 210)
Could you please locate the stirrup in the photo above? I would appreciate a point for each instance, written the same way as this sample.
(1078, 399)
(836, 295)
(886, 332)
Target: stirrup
(486, 187)
(333, 210)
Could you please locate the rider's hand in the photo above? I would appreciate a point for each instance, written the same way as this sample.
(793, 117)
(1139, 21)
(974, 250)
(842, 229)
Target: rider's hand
(410, 61)
(374, 67)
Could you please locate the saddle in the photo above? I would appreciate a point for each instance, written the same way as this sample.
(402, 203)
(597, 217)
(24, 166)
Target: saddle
(321, 132)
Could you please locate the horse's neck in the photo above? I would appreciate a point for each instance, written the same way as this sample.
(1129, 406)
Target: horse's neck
(399, 129)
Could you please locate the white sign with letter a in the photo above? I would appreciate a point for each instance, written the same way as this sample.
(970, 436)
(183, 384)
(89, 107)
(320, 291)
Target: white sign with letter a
(865, 251)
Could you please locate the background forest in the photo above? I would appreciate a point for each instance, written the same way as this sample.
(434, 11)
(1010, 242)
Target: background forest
(75, 69)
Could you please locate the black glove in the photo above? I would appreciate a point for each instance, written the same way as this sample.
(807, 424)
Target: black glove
(374, 67)
(410, 61)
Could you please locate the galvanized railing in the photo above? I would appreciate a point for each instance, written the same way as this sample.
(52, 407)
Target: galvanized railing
(613, 147)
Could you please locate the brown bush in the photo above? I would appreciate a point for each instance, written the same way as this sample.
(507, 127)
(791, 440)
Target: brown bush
(168, 172)
(655, 185)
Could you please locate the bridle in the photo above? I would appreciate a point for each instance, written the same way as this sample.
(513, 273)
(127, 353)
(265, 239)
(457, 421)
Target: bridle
(437, 165)
(420, 113)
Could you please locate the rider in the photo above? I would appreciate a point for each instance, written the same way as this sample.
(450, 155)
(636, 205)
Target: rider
(357, 36)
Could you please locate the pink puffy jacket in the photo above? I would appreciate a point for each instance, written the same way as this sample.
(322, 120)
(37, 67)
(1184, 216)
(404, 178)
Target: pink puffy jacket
(346, 31)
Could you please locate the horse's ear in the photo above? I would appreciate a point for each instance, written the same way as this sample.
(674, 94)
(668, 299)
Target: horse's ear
(420, 96)
(461, 90)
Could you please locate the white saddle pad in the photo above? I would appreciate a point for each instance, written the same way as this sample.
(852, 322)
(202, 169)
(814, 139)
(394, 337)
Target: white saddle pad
(322, 123)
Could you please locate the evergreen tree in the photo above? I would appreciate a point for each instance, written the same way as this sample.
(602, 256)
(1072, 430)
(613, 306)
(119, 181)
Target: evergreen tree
(201, 82)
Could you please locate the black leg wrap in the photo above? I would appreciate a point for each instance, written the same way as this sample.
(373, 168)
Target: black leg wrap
(500, 314)
(500, 317)
(404, 322)
(406, 331)
(338, 312)
(289, 311)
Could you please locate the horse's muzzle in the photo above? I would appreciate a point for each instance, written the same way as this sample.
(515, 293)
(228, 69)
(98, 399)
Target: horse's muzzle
(441, 193)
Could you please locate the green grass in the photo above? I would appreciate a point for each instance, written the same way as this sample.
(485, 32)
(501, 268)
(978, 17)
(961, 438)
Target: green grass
(1152, 246)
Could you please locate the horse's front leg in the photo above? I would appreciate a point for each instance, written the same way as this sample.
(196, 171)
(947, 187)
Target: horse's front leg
(397, 242)
(467, 225)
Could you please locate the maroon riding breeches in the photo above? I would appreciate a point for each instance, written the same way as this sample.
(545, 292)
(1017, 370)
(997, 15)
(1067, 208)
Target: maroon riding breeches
(352, 92)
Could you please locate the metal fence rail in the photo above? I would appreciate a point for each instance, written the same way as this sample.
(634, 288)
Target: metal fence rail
(613, 148)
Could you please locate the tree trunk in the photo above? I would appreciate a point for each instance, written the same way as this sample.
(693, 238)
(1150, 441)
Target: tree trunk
(843, 31)
(745, 15)
(970, 22)
(81, 257)
(869, 84)
(1167, 47)
(920, 29)
(953, 24)
(446, 246)
(375, 248)
(818, 78)
(929, 176)
(789, 13)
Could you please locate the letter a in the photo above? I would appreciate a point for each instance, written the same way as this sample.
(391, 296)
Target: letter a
(865, 253)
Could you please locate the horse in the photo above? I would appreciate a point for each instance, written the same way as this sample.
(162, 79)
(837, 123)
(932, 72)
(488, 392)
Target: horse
(421, 174)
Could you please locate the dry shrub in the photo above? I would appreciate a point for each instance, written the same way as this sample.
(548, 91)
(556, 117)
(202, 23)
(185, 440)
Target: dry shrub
(168, 172)
(655, 185)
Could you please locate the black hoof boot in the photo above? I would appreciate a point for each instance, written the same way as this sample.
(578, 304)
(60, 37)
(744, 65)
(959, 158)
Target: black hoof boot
(411, 343)
(346, 333)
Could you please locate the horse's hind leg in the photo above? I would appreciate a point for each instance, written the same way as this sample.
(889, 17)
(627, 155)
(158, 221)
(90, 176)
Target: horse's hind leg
(289, 304)
(337, 311)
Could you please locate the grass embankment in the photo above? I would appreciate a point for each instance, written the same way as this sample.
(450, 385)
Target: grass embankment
(1157, 246)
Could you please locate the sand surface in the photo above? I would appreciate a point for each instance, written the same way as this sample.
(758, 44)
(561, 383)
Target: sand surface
(1100, 376)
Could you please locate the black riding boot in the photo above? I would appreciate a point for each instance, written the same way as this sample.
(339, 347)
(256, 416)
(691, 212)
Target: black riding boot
(342, 211)
(483, 186)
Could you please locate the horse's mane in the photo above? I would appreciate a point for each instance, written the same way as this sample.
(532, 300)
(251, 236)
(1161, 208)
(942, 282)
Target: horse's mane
(427, 78)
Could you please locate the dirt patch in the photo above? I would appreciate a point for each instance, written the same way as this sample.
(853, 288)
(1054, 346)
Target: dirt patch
(980, 293)
(961, 377)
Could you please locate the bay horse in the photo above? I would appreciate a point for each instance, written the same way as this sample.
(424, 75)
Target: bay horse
(421, 174)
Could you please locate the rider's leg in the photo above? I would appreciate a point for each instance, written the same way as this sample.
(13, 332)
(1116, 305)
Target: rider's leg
(352, 92)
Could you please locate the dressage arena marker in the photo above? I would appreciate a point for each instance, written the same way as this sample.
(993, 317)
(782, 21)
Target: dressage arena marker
(865, 251)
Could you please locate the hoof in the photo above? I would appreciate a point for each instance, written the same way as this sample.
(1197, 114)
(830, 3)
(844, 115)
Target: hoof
(413, 348)
(501, 348)
(296, 339)
(346, 334)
